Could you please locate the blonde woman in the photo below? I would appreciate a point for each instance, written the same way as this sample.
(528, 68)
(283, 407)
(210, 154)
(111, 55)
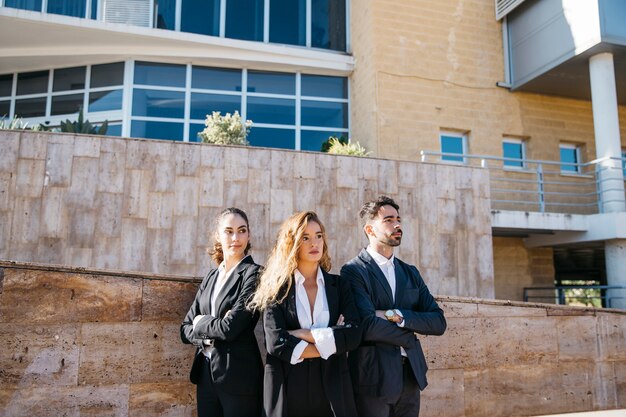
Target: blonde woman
(310, 323)
(227, 368)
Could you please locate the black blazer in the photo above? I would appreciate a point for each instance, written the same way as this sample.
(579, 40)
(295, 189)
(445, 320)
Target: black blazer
(376, 366)
(236, 364)
(280, 318)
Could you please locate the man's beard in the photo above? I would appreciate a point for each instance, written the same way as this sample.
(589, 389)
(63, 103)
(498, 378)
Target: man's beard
(391, 240)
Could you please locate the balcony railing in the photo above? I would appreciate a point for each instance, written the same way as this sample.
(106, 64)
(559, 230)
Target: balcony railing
(544, 186)
(584, 295)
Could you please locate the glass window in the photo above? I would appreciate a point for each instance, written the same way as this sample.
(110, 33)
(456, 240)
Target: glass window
(30, 107)
(623, 160)
(69, 79)
(200, 16)
(94, 12)
(311, 140)
(165, 11)
(6, 84)
(66, 104)
(244, 19)
(106, 75)
(272, 138)
(194, 129)
(271, 110)
(24, 4)
(452, 144)
(156, 130)
(271, 82)
(324, 113)
(288, 21)
(203, 104)
(5, 109)
(216, 78)
(160, 74)
(74, 8)
(114, 129)
(328, 24)
(158, 103)
(324, 86)
(105, 100)
(513, 148)
(569, 154)
(32, 82)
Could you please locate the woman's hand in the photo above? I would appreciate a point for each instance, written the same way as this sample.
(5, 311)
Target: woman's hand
(340, 321)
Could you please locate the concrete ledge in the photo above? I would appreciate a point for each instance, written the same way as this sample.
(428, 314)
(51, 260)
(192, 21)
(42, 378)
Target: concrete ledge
(605, 413)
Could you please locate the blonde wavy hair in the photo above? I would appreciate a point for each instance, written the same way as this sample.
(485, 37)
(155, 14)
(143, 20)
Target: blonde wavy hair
(276, 280)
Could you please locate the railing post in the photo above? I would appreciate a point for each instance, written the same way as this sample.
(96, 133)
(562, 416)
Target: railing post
(561, 292)
(540, 190)
(598, 167)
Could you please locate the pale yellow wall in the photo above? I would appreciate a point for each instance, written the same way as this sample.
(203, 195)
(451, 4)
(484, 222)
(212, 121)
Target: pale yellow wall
(434, 64)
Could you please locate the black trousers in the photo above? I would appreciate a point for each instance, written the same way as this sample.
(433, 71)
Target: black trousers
(408, 405)
(214, 402)
(305, 390)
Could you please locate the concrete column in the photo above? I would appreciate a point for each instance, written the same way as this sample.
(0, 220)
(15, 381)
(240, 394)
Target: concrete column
(615, 258)
(606, 127)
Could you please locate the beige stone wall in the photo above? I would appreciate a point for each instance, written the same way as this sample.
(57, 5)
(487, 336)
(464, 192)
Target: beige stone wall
(435, 65)
(89, 342)
(149, 205)
(516, 266)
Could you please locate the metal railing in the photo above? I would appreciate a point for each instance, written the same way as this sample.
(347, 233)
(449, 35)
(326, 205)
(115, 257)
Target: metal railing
(543, 186)
(588, 295)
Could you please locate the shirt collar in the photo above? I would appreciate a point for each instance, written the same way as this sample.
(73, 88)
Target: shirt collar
(300, 278)
(222, 267)
(378, 258)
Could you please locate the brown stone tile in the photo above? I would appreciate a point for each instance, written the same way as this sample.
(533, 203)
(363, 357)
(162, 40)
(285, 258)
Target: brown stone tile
(159, 249)
(387, 177)
(133, 244)
(81, 223)
(236, 163)
(167, 300)
(281, 205)
(33, 146)
(82, 192)
(30, 178)
(259, 159)
(10, 151)
(109, 215)
(159, 399)
(54, 213)
(611, 336)
(187, 157)
(259, 186)
(304, 166)
(65, 297)
(577, 338)
(111, 171)
(26, 220)
(160, 210)
(211, 187)
(407, 174)
(281, 168)
(305, 197)
(183, 249)
(235, 193)
(107, 252)
(503, 311)
(87, 146)
(212, 156)
(347, 172)
(59, 164)
(444, 392)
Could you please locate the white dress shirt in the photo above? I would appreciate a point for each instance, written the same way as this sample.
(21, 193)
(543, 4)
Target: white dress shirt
(318, 323)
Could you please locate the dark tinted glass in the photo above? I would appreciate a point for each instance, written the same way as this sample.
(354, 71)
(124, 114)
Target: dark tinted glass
(311, 140)
(194, 129)
(288, 21)
(244, 19)
(271, 110)
(324, 113)
(105, 100)
(569, 155)
(30, 107)
(157, 103)
(272, 138)
(74, 8)
(166, 14)
(324, 86)
(69, 79)
(328, 24)
(6, 83)
(160, 74)
(24, 4)
(200, 16)
(512, 150)
(94, 13)
(156, 130)
(66, 104)
(216, 78)
(452, 144)
(32, 82)
(271, 82)
(203, 104)
(106, 75)
(5, 108)
(114, 130)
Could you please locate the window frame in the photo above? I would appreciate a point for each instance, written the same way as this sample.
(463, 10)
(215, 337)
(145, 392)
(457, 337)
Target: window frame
(464, 144)
(522, 143)
(577, 154)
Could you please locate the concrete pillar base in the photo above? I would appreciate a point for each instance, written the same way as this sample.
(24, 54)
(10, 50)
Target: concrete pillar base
(615, 259)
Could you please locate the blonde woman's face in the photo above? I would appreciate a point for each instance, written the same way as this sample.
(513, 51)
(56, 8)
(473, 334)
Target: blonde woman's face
(312, 246)
(233, 234)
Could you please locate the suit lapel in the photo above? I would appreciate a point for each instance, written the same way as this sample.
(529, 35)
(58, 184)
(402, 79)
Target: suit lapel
(231, 282)
(401, 280)
(332, 298)
(205, 305)
(290, 306)
(375, 270)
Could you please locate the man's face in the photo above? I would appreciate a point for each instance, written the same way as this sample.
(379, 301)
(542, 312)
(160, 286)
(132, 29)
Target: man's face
(385, 228)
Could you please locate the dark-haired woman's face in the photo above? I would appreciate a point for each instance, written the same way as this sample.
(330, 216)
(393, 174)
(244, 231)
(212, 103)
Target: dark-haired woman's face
(233, 234)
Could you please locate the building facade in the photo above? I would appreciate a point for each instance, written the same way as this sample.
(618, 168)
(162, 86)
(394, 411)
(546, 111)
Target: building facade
(532, 90)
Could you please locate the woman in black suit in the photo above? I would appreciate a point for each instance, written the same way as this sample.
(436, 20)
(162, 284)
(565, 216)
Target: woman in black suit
(310, 322)
(227, 367)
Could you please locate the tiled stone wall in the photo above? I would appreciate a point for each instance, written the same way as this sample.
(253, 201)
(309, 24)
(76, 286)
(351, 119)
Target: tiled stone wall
(89, 342)
(146, 205)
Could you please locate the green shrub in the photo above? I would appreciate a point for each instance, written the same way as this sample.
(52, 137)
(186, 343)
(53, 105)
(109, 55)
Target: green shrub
(350, 148)
(225, 130)
(83, 126)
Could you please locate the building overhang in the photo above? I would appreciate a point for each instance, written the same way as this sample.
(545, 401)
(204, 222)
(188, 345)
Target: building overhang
(552, 229)
(33, 40)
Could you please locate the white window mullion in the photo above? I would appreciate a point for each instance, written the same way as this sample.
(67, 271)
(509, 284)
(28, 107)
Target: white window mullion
(44, 6)
(222, 18)
(244, 94)
(49, 95)
(298, 112)
(349, 112)
(178, 14)
(348, 40)
(127, 100)
(187, 111)
(266, 21)
(87, 9)
(13, 94)
(86, 93)
(309, 24)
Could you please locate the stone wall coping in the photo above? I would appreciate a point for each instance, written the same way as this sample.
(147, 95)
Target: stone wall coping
(551, 309)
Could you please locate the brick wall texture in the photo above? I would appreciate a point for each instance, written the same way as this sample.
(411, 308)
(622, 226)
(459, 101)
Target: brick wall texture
(92, 342)
(148, 205)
